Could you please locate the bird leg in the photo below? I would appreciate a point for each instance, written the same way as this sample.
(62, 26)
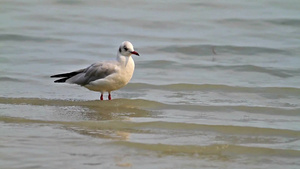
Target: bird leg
(101, 97)
(109, 96)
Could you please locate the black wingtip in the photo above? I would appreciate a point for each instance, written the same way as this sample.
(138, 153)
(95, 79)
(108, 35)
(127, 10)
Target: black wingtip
(58, 75)
(65, 76)
(63, 80)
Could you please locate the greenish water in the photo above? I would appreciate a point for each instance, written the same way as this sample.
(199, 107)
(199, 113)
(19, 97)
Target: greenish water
(216, 85)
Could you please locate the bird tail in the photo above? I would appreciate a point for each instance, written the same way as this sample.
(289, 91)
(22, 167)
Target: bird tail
(65, 76)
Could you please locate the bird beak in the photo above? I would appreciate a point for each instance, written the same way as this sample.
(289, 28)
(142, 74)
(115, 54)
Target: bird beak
(135, 53)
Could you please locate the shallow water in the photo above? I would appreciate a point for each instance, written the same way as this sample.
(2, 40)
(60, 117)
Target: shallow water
(216, 85)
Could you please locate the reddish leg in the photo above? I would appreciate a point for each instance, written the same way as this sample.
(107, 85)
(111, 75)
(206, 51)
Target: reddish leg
(101, 97)
(109, 96)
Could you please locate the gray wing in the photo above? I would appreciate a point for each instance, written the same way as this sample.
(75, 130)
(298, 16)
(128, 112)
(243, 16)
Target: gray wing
(94, 72)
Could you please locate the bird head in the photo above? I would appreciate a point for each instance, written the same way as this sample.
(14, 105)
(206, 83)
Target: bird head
(126, 49)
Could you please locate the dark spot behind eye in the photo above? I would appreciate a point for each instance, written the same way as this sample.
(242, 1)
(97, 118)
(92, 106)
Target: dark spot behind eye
(119, 49)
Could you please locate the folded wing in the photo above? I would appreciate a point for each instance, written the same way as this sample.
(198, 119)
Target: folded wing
(85, 76)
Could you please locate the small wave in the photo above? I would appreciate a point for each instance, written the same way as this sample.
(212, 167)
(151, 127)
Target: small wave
(277, 22)
(208, 50)
(271, 71)
(246, 109)
(225, 129)
(58, 102)
(285, 22)
(142, 127)
(69, 2)
(22, 38)
(144, 107)
(15, 37)
(105, 109)
(283, 73)
(9, 79)
(215, 87)
(216, 149)
(182, 86)
(158, 64)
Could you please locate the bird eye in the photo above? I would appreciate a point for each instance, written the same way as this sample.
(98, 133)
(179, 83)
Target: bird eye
(125, 48)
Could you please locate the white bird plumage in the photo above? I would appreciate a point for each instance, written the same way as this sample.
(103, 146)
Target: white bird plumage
(104, 76)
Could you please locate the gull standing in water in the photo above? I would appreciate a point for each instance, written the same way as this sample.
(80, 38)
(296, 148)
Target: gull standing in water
(104, 76)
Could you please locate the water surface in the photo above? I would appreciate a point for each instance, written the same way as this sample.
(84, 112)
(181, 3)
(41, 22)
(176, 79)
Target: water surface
(216, 85)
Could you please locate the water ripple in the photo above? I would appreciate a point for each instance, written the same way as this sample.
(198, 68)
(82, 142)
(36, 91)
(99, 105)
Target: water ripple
(22, 38)
(217, 149)
(224, 49)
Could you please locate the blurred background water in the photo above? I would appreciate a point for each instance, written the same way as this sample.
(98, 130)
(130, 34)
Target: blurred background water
(216, 85)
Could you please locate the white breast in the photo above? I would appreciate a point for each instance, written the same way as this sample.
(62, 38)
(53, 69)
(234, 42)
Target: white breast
(116, 80)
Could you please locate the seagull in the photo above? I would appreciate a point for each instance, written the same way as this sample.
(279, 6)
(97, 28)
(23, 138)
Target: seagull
(104, 76)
